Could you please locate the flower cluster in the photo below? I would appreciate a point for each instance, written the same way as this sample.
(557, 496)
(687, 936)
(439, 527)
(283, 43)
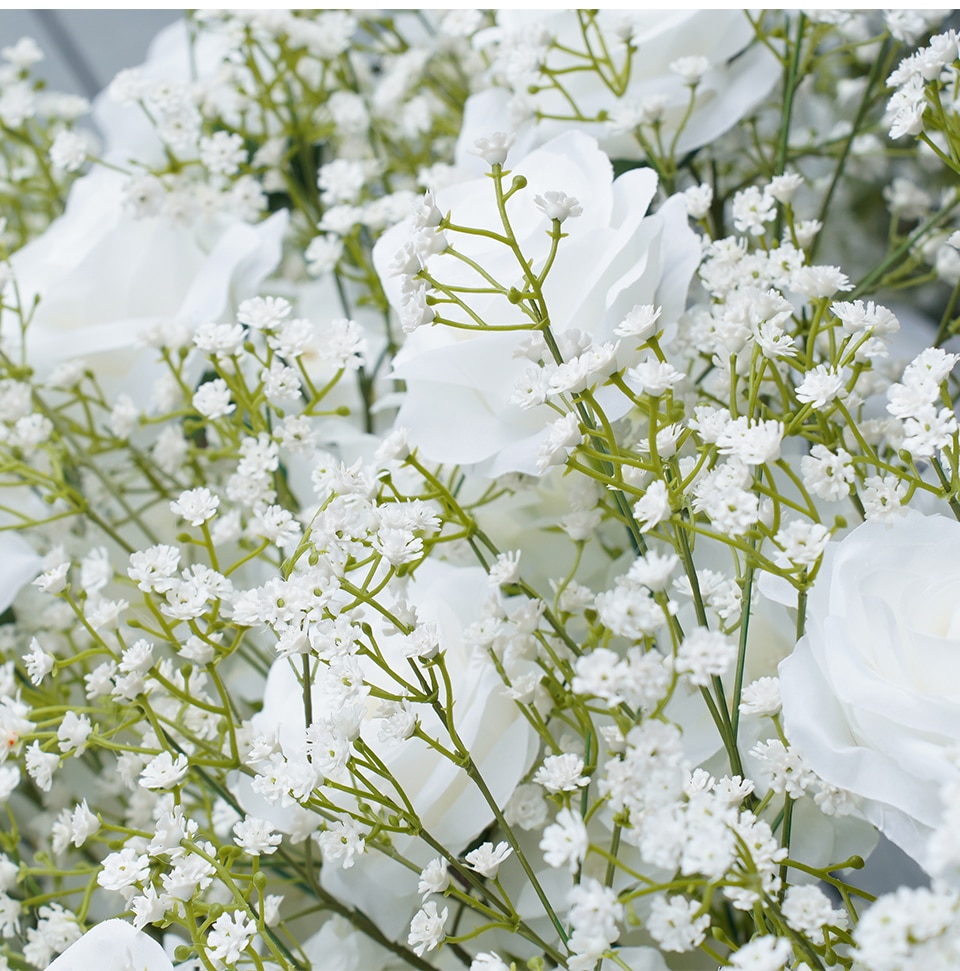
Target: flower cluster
(480, 489)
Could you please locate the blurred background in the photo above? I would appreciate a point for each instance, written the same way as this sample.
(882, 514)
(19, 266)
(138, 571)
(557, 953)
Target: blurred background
(84, 49)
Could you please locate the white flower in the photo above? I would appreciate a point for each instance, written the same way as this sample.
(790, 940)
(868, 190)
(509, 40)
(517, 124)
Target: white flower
(212, 399)
(690, 69)
(807, 908)
(672, 50)
(9, 780)
(229, 937)
(434, 878)
(705, 654)
(506, 568)
(486, 859)
(561, 773)
(632, 258)
(676, 924)
(868, 697)
(25, 53)
(38, 663)
(173, 277)
(196, 506)
(164, 772)
(698, 198)
(493, 148)
(640, 322)
(566, 841)
(426, 928)
(223, 152)
(41, 766)
(489, 961)
(73, 732)
(447, 599)
(653, 507)
(761, 697)
(255, 836)
(820, 386)
(558, 205)
(69, 151)
(123, 869)
(342, 842)
(882, 497)
(113, 945)
(753, 443)
(83, 824)
(763, 954)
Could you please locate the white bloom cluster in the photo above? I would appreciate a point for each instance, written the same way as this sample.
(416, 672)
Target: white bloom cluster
(450, 527)
(908, 104)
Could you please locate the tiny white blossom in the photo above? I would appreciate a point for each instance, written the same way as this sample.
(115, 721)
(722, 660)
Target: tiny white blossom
(761, 697)
(493, 149)
(561, 773)
(255, 836)
(434, 878)
(164, 772)
(73, 733)
(426, 928)
(229, 937)
(566, 841)
(212, 400)
(38, 662)
(763, 954)
(653, 507)
(558, 206)
(196, 506)
(486, 859)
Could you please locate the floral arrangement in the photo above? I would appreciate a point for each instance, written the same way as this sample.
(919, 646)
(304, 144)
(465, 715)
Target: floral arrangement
(481, 490)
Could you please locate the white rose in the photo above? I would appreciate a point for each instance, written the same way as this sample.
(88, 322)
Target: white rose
(103, 278)
(870, 694)
(460, 383)
(450, 807)
(739, 76)
(113, 945)
(20, 565)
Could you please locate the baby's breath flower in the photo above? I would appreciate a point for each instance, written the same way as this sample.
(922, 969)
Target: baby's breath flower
(558, 206)
(229, 937)
(561, 773)
(196, 506)
(38, 663)
(493, 148)
(486, 859)
(164, 772)
(427, 928)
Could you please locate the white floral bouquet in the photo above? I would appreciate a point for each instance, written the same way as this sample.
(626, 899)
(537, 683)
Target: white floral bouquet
(481, 490)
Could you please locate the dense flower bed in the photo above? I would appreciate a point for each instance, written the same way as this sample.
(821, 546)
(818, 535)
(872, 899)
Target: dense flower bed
(480, 489)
